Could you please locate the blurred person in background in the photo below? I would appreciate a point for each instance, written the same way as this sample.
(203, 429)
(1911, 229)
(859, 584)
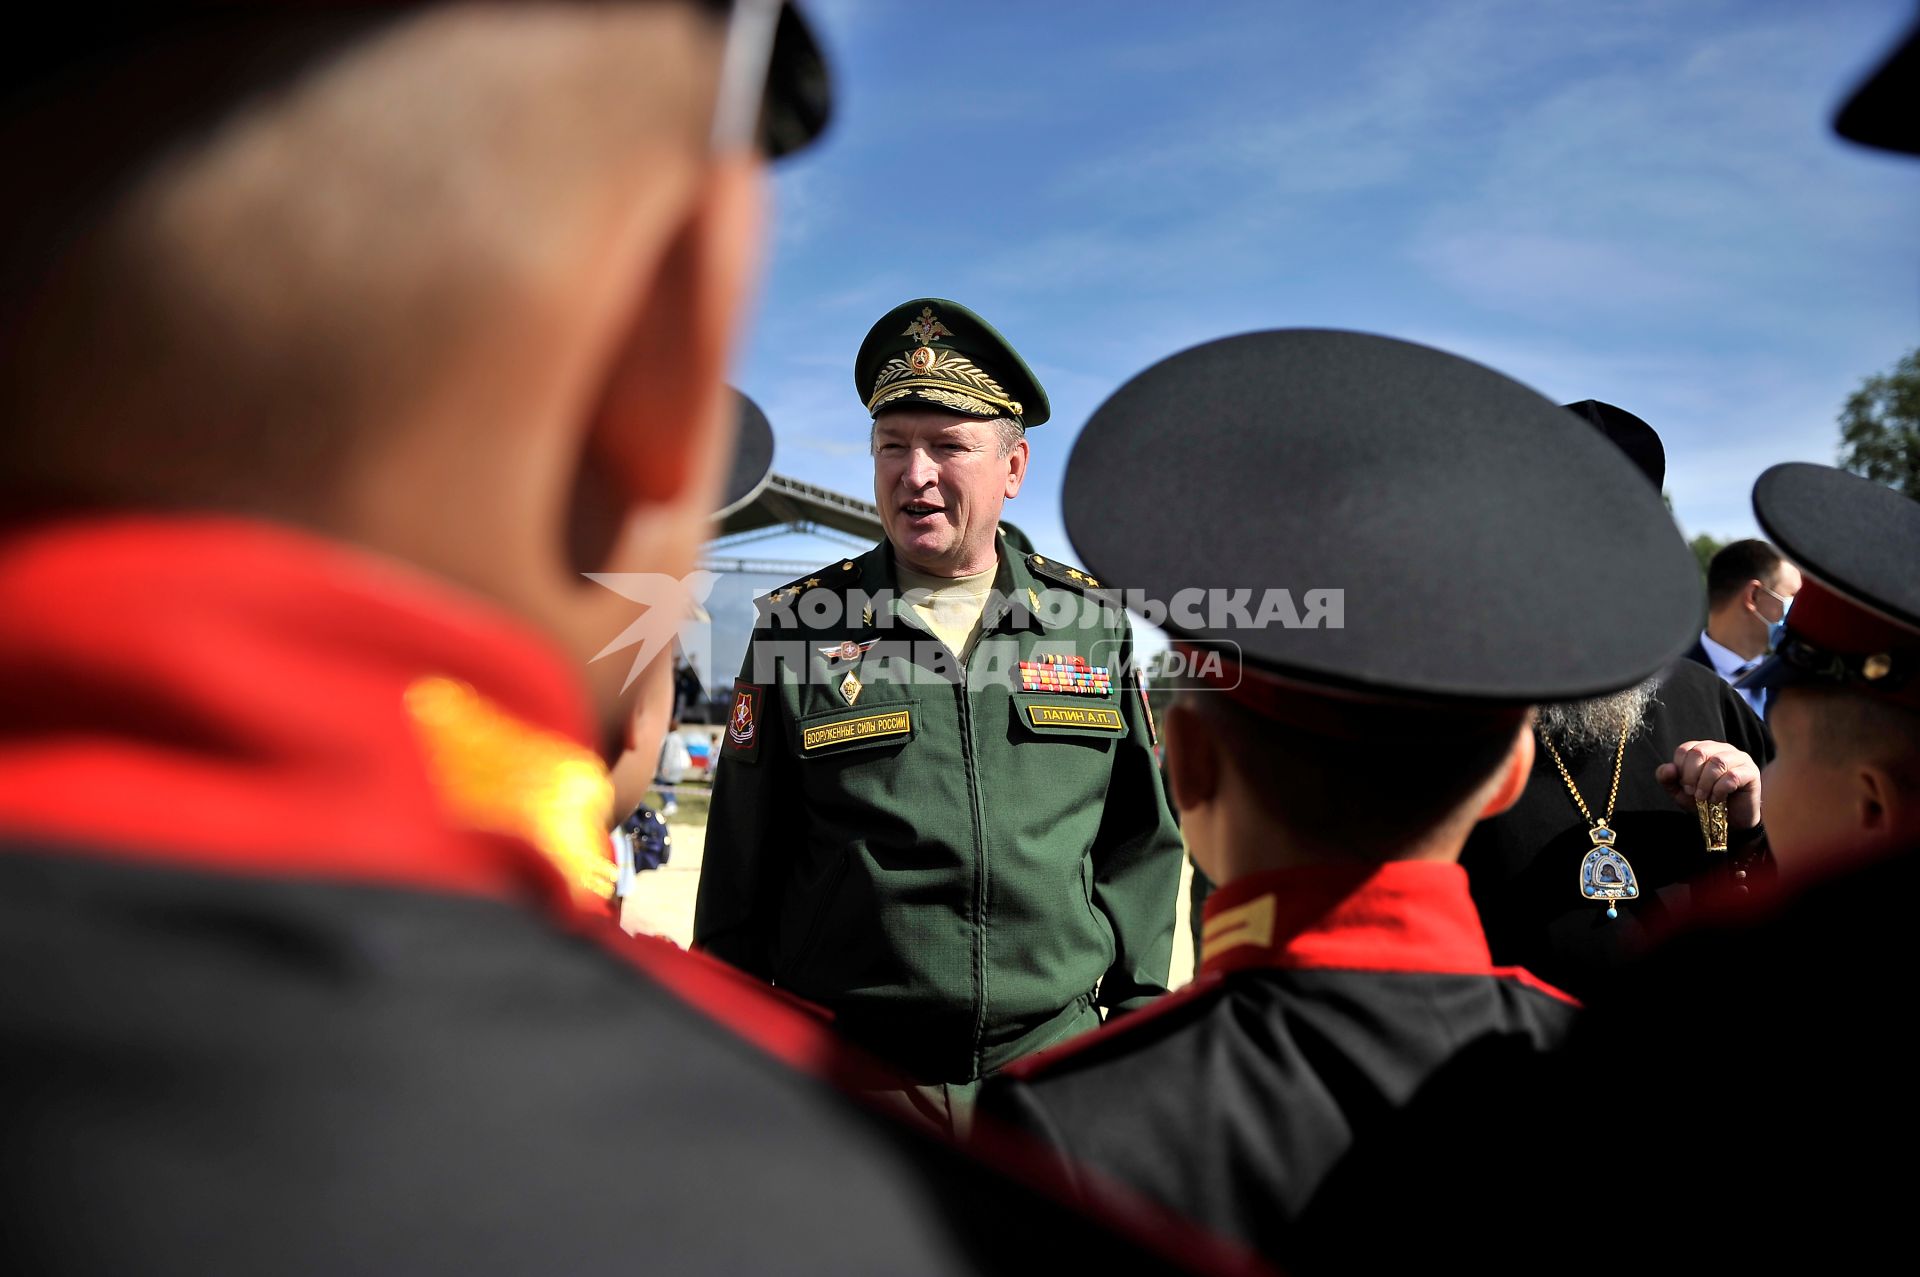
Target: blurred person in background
(340, 343)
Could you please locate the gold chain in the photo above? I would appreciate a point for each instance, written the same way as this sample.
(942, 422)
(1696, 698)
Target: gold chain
(1612, 797)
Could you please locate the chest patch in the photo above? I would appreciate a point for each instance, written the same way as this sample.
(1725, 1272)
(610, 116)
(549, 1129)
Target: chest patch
(858, 730)
(1065, 675)
(1098, 717)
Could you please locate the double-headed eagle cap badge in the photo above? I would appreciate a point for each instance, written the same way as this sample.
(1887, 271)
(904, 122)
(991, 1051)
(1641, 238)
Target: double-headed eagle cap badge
(938, 352)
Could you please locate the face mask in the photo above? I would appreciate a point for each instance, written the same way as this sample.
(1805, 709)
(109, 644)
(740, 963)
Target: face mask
(1777, 630)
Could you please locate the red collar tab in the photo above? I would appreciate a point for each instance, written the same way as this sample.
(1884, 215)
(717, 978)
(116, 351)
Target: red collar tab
(242, 697)
(1837, 640)
(1404, 915)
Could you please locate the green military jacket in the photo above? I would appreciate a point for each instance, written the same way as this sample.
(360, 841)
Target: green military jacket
(958, 862)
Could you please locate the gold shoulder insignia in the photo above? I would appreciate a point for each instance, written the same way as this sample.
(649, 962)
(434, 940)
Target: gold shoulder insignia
(800, 585)
(789, 594)
(1073, 578)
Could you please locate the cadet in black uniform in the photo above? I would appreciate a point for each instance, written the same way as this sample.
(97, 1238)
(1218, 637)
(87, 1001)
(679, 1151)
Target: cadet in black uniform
(1745, 1093)
(1328, 775)
(314, 420)
(1846, 674)
(1780, 1048)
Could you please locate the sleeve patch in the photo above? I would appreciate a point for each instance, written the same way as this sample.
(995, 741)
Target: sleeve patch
(743, 724)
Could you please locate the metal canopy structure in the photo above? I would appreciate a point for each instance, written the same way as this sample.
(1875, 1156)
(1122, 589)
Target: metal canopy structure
(788, 506)
(794, 506)
(785, 507)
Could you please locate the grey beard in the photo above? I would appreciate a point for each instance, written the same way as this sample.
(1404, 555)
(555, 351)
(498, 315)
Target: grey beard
(1585, 727)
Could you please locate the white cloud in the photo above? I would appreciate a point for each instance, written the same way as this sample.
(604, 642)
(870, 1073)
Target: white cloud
(1632, 201)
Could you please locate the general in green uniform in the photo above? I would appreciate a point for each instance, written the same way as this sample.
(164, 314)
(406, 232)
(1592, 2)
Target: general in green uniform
(937, 811)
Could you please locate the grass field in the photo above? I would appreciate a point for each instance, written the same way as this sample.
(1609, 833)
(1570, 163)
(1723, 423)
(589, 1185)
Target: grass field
(692, 800)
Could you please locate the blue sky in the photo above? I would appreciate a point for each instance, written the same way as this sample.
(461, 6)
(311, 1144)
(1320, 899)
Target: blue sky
(1639, 202)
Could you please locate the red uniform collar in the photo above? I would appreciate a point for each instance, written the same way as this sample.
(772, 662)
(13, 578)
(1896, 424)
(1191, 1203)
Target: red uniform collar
(241, 697)
(1403, 915)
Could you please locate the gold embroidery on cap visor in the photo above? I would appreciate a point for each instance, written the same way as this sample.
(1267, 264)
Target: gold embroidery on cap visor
(943, 377)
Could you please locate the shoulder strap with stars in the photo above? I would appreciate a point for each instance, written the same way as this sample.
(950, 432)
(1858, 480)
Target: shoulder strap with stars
(794, 589)
(840, 575)
(1072, 577)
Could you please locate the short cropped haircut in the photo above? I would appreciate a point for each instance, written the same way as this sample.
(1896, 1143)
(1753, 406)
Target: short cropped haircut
(1362, 794)
(258, 297)
(1853, 727)
(1735, 565)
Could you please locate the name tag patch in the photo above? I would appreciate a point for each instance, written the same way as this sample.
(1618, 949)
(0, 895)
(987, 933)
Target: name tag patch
(1100, 717)
(848, 731)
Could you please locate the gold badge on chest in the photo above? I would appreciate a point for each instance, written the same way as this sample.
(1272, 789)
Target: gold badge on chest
(850, 688)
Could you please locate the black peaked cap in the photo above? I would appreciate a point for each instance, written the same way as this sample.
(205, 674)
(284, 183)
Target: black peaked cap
(1492, 550)
(1629, 434)
(1856, 621)
(1884, 111)
(1859, 537)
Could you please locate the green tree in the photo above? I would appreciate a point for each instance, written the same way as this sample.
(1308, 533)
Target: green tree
(1704, 548)
(1880, 428)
